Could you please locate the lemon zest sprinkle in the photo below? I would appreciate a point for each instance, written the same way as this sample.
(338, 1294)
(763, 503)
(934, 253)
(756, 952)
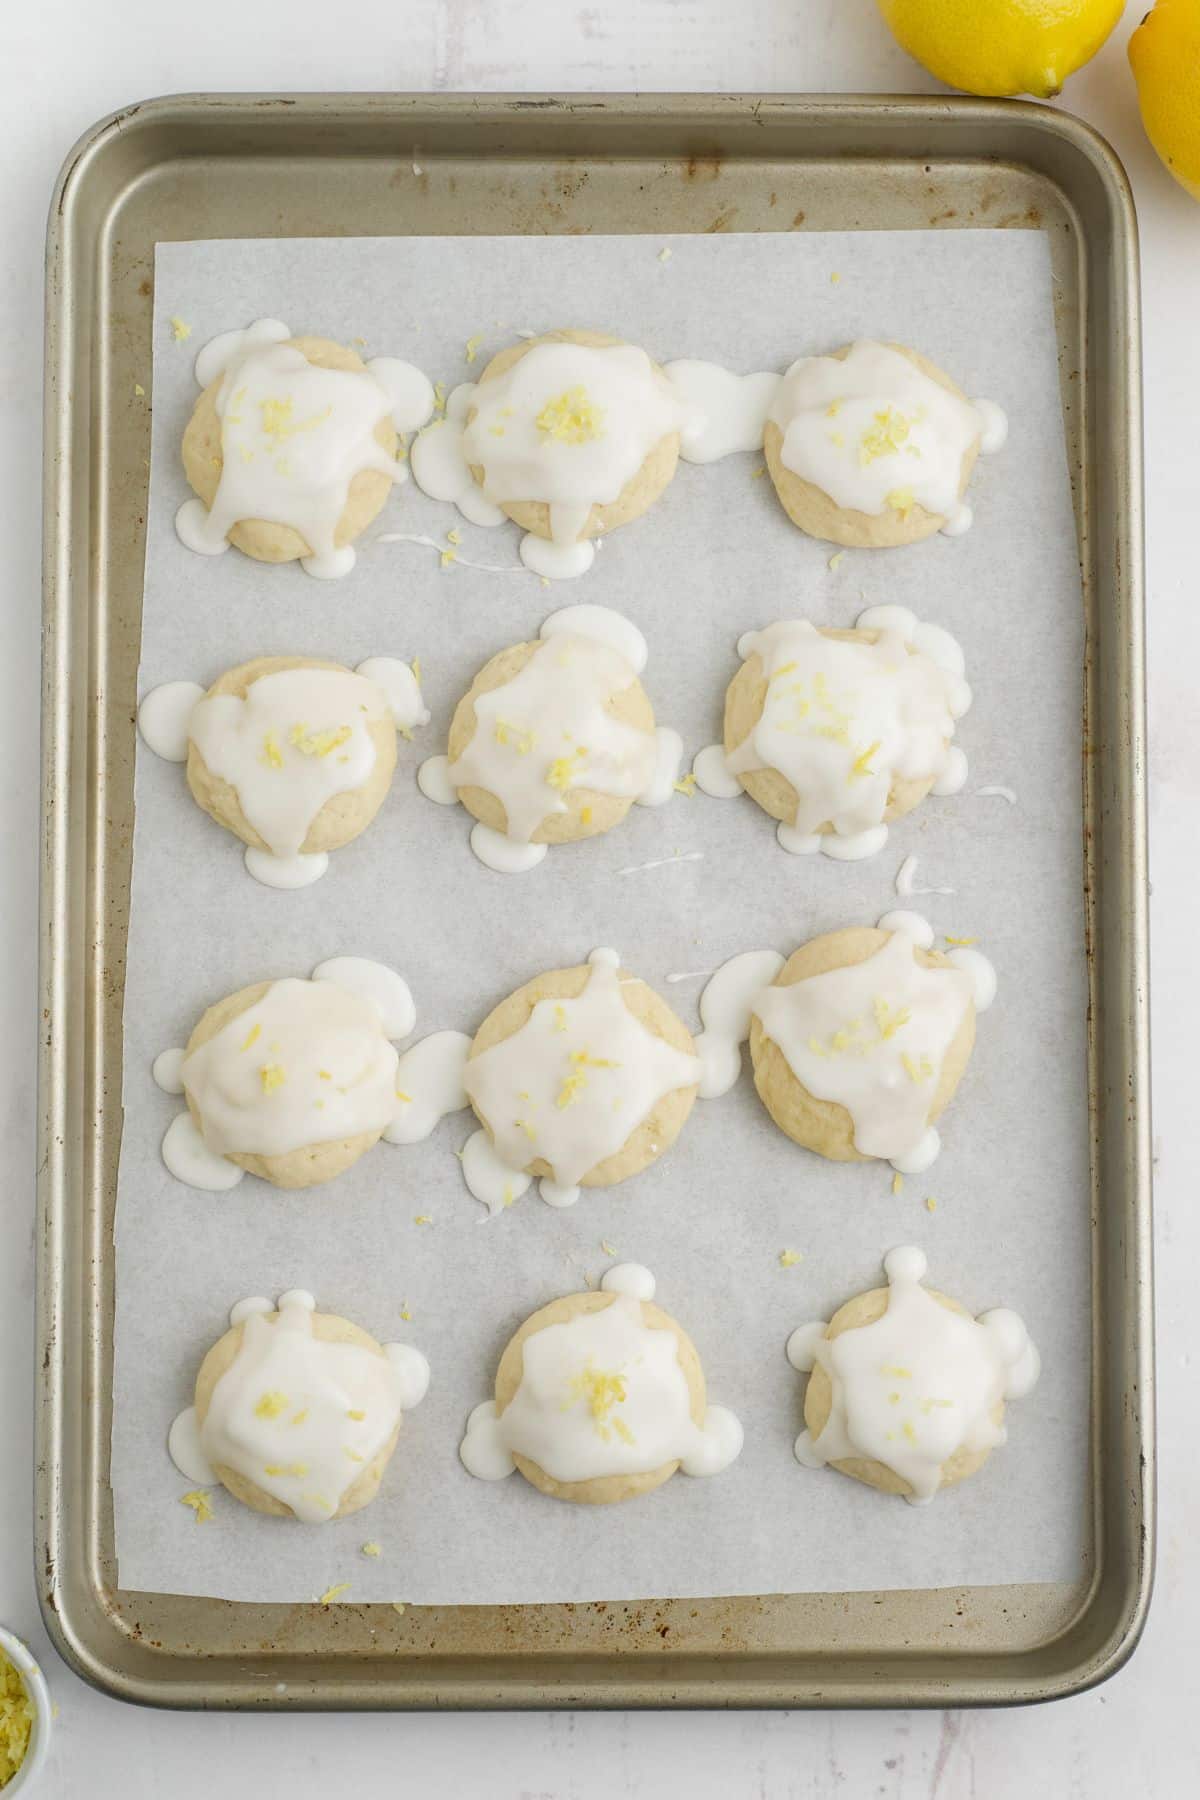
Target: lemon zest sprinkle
(886, 436)
(930, 1204)
(181, 330)
(272, 754)
(357, 1414)
(686, 785)
(252, 1037)
(423, 1219)
(472, 349)
(371, 1549)
(272, 1076)
(901, 500)
(961, 943)
(862, 762)
(295, 1468)
(897, 1182)
(200, 1502)
(271, 1405)
(571, 418)
(331, 1593)
(789, 1258)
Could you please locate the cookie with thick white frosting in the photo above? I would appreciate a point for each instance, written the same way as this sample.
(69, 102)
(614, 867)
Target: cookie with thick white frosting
(292, 447)
(582, 1077)
(297, 1412)
(600, 1397)
(861, 1039)
(837, 733)
(573, 433)
(873, 446)
(906, 1389)
(289, 1080)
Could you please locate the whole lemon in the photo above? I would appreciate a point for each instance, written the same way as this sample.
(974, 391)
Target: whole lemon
(1002, 46)
(1165, 54)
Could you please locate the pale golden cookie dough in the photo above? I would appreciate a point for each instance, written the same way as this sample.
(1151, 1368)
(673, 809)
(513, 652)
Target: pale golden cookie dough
(302, 1168)
(630, 705)
(640, 491)
(331, 1330)
(745, 700)
(824, 1125)
(812, 509)
(658, 1131)
(601, 1490)
(263, 539)
(864, 1309)
(343, 816)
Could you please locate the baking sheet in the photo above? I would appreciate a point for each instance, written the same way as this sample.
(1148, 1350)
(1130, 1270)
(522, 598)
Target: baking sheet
(715, 557)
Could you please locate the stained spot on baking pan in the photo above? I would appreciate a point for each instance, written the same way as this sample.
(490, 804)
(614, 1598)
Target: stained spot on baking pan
(949, 212)
(702, 168)
(145, 289)
(723, 220)
(797, 220)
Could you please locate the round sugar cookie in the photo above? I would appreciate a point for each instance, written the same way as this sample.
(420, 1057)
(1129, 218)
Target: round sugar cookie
(660, 1127)
(817, 514)
(263, 539)
(600, 1490)
(864, 1309)
(328, 1328)
(640, 491)
(305, 1167)
(588, 812)
(826, 1126)
(745, 700)
(343, 816)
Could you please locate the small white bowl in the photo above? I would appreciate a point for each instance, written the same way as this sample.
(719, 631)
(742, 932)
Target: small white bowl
(39, 1695)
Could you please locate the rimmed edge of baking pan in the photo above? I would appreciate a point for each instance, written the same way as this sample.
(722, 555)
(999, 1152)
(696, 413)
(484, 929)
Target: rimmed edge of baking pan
(371, 164)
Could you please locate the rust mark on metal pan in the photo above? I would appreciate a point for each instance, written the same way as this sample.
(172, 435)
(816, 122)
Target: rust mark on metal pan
(723, 220)
(701, 168)
(798, 219)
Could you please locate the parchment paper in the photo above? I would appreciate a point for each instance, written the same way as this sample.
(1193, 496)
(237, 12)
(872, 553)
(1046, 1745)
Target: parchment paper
(714, 557)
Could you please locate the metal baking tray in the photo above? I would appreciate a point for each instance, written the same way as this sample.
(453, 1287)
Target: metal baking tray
(385, 164)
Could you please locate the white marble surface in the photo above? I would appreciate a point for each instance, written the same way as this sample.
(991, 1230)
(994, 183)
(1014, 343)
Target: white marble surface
(63, 63)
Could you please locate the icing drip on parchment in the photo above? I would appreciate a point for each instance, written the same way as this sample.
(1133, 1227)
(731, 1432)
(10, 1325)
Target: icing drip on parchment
(298, 1415)
(919, 1384)
(843, 721)
(601, 1395)
(293, 437)
(877, 434)
(569, 1088)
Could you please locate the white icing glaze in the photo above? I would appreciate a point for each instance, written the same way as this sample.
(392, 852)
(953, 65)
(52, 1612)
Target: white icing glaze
(189, 1158)
(229, 346)
(905, 881)
(604, 624)
(725, 1008)
(163, 718)
(569, 425)
(572, 1084)
(308, 1063)
(503, 854)
(872, 1037)
(400, 688)
(548, 729)
(433, 779)
(981, 971)
(429, 1085)
(300, 1416)
(168, 1071)
(997, 793)
(554, 561)
(723, 412)
(874, 432)
(293, 437)
(378, 985)
(629, 1278)
(912, 924)
(919, 1384)
(488, 1179)
(712, 774)
(994, 427)
(663, 862)
(297, 739)
(440, 468)
(844, 720)
(668, 755)
(255, 1303)
(184, 1449)
(600, 1395)
(285, 872)
(409, 391)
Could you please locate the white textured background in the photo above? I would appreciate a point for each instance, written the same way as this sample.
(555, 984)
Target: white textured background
(61, 66)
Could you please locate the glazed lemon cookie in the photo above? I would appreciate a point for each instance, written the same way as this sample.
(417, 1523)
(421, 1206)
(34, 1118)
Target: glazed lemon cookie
(289, 1080)
(858, 1040)
(570, 435)
(837, 733)
(906, 1390)
(600, 1397)
(583, 1077)
(873, 446)
(291, 754)
(297, 1412)
(555, 740)
(292, 446)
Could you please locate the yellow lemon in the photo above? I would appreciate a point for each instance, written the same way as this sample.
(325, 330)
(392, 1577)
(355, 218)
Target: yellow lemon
(1165, 54)
(1002, 46)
